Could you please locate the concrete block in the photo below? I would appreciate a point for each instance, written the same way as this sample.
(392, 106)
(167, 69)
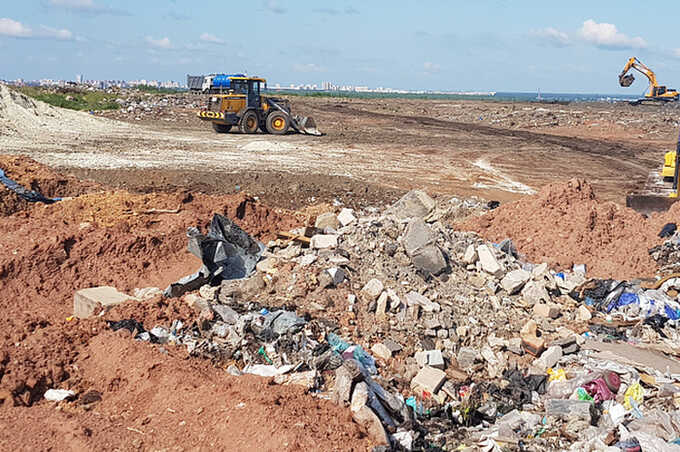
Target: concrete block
(417, 236)
(430, 260)
(547, 310)
(488, 261)
(583, 314)
(86, 302)
(415, 203)
(432, 358)
(324, 241)
(467, 356)
(548, 358)
(535, 292)
(346, 217)
(428, 379)
(381, 306)
(515, 280)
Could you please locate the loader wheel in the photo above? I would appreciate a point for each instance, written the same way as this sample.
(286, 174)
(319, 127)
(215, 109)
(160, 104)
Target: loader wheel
(221, 128)
(277, 123)
(249, 122)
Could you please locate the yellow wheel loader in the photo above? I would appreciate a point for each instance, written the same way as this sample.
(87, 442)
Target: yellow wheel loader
(240, 104)
(656, 93)
(661, 189)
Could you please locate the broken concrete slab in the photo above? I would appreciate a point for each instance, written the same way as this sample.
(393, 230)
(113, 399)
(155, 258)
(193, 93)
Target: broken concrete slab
(324, 241)
(87, 302)
(513, 281)
(414, 298)
(372, 290)
(633, 356)
(381, 351)
(535, 292)
(346, 217)
(488, 261)
(428, 379)
(547, 310)
(432, 358)
(548, 358)
(327, 220)
(470, 256)
(429, 260)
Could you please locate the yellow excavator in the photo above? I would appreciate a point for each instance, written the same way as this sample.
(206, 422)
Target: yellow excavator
(656, 93)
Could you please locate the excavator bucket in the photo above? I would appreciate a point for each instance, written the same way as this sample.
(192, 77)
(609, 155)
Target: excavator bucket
(626, 80)
(305, 125)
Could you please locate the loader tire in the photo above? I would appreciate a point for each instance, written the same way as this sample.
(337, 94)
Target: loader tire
(249, 122)
(221, 128)
(278, 123)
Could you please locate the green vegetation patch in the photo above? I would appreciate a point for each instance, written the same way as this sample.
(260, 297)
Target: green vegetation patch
(94, 100)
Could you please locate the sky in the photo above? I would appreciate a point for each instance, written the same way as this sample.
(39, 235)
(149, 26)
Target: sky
(484, 45)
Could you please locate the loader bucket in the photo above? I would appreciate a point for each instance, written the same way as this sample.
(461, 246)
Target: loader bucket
(626, 80)
(305, 125)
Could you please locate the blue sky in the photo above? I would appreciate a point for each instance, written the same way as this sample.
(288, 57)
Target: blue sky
(501, 45)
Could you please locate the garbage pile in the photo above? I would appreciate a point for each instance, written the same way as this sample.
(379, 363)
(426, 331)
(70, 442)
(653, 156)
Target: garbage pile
(135, 106)
(436, 338)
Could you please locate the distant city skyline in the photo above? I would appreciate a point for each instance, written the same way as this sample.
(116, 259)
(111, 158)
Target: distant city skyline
(494, 45)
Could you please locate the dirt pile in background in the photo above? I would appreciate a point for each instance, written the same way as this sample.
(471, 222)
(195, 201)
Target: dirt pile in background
(565, 224)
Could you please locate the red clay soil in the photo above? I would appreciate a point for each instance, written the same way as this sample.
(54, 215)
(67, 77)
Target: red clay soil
(565, 224)
(47, 252)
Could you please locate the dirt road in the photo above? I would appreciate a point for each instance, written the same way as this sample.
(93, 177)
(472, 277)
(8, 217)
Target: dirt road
(369, 145)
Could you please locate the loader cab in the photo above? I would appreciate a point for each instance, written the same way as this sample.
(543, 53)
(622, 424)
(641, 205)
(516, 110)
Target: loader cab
(250, 87)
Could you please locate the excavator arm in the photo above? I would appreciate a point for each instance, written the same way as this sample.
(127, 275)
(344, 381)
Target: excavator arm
(626, 79)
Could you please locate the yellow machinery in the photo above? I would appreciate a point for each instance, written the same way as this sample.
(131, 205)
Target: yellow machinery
(661, 189)
(656, 93)
(243, 105)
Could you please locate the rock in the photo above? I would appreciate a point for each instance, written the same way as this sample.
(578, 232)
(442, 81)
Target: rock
(372, 289)
(583, 314)
(414, 298)
(381, 306)
(337, 275)
(534, 292)
(417, 236)
(392, 346)
(324, 241)
(381, 351)
(515, 280)
(345, 377)
(360, 396)
(429, 260)
(346, 217)
(549, 311)
(290, 252)
(432, 358)
(307, 259)
(415, 203)
(371, 422)
(197, 303)
(267, 266)
(488, 261)
(569, 409)
(57, 395)
(227, 314)
(147, 293)
(394, 300)
(428, 379)
(327, 220)
(466, 357)
(470, 256)
(87, 302)
(548, 358)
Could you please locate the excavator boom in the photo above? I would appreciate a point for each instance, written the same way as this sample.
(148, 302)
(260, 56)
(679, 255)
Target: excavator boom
(656, 92)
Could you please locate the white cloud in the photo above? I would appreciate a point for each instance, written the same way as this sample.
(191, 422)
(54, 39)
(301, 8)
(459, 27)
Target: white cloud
(163, 43)
(552, 36)
(9, 27)
(430, 67)
(308, 67)
(274, 7)
(607, 36)
(14, 29)
(207, 37)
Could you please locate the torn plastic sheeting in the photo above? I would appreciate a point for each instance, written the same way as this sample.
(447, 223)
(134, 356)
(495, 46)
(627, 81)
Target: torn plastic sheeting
(264, 370)
(278, 323)
(24, 193)
(227, 252)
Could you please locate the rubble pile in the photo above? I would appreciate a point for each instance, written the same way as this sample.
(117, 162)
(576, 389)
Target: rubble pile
(435, 338)
(135, 106)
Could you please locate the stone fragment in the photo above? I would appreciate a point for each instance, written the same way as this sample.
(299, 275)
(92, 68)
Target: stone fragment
(583, 314)
(530, 340)
(337, 275)
(429, 260)
(415, 203)
(327, 220)
(515, 280)
(381, 351)
(432, 358)
(345, 376)
(428, 379)
(470, 256)
(466, 357)
(346, 217)
(417, 236)
(86, 302)
(268, 266)
(548, 358)
(372, 289)
(488, 261)
(365, 417)
(197, 303)
(569, 409)
(535, 292)
(549, 311)
(416, 299)
(307, 259)
(381, 306)
(227, 314)
(360, 396)
(324, 241)
(392, 346)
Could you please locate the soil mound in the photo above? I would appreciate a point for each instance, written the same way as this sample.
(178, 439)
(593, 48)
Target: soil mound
(34, 176)
(565, 224)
